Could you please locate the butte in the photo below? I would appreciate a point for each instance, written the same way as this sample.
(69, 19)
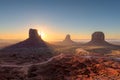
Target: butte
(30, 50)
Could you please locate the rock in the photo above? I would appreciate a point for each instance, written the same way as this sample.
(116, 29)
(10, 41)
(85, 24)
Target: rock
(33, 34)
(74, 67)
(68, 40)
(34, 41)
(80, 51)
(33, 49)
(98, 39)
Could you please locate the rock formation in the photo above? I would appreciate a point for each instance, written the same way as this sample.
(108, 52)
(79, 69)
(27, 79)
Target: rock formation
(34, 41)
(64, 67)
(33, 49)
(74, 67)
(68, 40)
(98, 38)
(33, 34)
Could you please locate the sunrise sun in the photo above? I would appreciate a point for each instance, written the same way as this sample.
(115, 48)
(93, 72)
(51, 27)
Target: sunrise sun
(42, 34)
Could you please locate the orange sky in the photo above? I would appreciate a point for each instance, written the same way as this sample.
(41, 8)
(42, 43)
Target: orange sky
(51, 36)
(57, 18)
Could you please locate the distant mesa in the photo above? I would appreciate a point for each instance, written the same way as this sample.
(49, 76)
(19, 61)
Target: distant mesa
(98, 39)
(68, 40)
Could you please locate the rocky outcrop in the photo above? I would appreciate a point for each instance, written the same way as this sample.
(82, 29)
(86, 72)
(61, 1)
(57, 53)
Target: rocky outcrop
(98, 39)
(34, 41)
(68, 40)
(33, 49)
(33, 34)
(65, 67)
(74, 67)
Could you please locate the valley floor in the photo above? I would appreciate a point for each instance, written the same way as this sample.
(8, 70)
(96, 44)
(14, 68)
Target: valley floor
(64, 67)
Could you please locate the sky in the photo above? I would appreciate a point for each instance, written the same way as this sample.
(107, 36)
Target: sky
(56, 18)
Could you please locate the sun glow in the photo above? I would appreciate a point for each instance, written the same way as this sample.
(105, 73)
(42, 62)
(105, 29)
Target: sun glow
(42, 34)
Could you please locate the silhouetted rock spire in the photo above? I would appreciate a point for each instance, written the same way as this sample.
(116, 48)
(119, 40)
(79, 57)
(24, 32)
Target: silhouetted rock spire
(68, 40)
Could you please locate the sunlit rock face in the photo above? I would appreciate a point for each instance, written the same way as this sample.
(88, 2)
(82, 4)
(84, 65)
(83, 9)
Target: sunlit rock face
(74, 67)
(68, 40)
